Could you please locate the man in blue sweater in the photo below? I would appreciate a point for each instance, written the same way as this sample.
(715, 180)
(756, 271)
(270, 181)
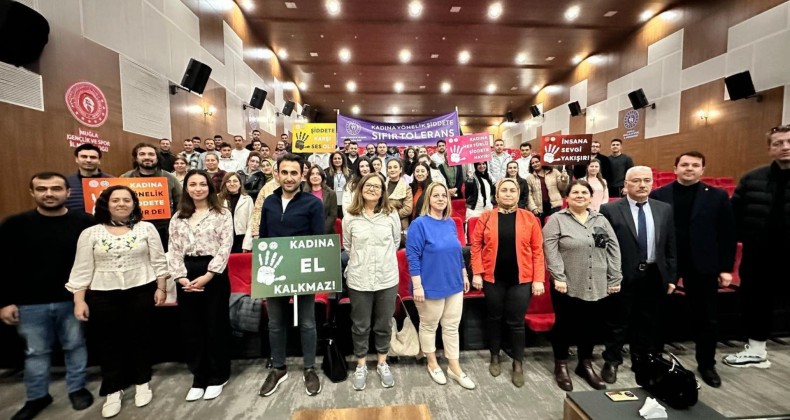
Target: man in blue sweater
(290, 212)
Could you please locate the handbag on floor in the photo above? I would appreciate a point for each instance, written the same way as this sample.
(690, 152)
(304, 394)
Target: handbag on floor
(668, 380)
(404, 342)
(334, 364)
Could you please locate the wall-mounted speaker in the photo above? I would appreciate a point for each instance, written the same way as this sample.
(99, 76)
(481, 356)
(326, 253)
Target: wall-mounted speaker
(306, 110)
(740, 85)
(24, 33)
(575, 108)
(258, 96)
(534, 110)
(196, 76)
(509, 116)
(288, 108)
(638, 99)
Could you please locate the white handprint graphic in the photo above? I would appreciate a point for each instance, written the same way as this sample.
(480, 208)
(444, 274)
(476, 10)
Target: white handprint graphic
(548, 152)
(268, 264)
(455, 153)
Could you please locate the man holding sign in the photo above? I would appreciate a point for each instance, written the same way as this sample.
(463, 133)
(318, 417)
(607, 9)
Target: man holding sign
(305, 217)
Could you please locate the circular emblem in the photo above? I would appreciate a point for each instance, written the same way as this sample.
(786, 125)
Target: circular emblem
(93, 183)
(353, 128)
(631, 119)
(87, 103)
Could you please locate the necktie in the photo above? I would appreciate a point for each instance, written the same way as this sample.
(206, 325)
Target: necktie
(641, 232)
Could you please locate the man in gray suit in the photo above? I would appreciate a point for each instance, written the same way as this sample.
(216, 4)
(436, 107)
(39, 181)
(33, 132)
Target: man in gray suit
(646, 233)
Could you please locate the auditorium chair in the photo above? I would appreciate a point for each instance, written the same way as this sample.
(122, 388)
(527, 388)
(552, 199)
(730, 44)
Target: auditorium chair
(459, 208)
(339, 230)
(459, 229)
(471, 224)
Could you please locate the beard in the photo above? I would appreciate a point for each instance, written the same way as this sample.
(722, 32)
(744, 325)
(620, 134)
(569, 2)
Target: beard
(52, 207)
(147, 165)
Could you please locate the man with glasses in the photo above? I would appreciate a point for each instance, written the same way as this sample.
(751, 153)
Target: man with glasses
(762, 217)
(646, 234)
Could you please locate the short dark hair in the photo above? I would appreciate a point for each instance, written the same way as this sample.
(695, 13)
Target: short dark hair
(581, 182)
(499, 140)
(381, 142)
(102, 212)
(264, 145)
(440, 141)
(49, 175)
(694, 154)
(137, 148)
(616, 140)
(196, 138)
(352, 142)
(217, 136)
(241, 137)
(224, 145)
(87, 146)
(525, 144)
(290, 157)
(256, 141)
(256, 130)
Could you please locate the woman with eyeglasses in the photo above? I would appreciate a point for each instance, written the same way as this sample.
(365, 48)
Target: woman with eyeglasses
(371, 236)
(507, 261)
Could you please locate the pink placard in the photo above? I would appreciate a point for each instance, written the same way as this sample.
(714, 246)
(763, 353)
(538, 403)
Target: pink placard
(471, 148)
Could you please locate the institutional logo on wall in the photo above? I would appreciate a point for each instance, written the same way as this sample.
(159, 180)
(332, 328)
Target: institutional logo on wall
(630, 121)
(87, 103)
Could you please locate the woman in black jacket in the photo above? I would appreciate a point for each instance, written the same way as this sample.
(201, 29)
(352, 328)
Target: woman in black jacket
(479, 191)
(512, 172)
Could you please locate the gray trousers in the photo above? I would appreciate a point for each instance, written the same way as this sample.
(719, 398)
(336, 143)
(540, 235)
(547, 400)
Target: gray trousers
(378, 306)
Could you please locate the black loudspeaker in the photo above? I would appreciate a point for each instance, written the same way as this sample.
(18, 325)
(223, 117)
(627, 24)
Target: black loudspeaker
(638, 99)
(258, 96)
(575, 108)
(740, 85)
(23, 31)
(288, 108)
(509, 116)
(306, 110)
(196, 76)
(534, 110)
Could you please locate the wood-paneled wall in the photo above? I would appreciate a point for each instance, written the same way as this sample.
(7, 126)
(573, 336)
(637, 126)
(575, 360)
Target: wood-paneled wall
(36, 141)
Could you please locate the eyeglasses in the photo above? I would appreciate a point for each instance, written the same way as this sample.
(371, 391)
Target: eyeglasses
(637, 181)
(372, 187)
(780, 129)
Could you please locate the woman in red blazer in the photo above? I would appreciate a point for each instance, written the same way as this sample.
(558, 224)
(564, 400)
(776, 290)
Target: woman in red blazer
(507, 260)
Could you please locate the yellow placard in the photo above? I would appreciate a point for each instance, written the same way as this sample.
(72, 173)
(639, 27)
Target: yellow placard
(313, 137)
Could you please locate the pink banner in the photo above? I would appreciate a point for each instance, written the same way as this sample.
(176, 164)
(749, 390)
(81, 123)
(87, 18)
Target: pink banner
(471, 148)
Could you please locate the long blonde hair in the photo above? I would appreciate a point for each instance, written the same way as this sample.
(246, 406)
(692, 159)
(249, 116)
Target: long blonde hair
(426, 204)
(358, 202)
(598, 175)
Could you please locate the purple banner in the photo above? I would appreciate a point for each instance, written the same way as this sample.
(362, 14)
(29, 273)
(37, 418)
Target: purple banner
(417, 133)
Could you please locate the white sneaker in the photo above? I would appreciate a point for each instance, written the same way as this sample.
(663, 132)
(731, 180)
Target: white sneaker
(195, 394)
(112, 406)
(748, 358)
(462, 380)
(213, 391)
(438, 376)
(142, 395)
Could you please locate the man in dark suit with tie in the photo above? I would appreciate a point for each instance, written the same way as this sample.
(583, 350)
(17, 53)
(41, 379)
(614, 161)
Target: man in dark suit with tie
(646, 233)
(705, 233)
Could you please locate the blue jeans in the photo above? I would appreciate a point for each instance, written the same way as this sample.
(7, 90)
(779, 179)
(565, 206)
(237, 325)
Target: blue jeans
(278, 308)
(39, 325)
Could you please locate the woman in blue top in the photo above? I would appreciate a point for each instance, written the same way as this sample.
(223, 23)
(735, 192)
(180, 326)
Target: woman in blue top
(439, 280)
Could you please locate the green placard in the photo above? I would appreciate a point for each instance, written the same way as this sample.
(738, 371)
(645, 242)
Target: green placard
(296, 265)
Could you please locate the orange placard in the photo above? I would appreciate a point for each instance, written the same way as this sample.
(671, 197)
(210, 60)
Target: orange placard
(153, 194)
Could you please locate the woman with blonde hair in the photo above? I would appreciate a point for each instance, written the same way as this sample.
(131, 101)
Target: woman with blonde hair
(438, 278)
(507, 261)
(598, 183)
(371, 236)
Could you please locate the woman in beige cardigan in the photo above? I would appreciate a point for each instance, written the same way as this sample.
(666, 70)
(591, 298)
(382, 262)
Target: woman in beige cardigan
(545, 186)
(399, 193)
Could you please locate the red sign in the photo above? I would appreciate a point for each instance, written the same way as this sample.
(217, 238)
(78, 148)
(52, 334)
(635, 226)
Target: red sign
(153, 194)
(471, 148)
(87, 103)
(571, 149)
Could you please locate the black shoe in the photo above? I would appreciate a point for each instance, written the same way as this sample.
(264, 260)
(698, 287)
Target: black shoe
(311, 382)
(81, 399)
(275, 378)
(609, 373)
(710, 376)
(32, 408)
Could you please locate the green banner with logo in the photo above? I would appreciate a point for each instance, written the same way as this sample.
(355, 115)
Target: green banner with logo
(296, 265)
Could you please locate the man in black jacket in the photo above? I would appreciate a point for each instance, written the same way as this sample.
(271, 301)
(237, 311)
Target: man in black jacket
(705, 233)
(290, 212)
(646, 234)
(762, 214)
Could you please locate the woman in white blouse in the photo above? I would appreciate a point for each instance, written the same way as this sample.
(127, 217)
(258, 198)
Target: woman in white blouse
(234, 197)
(122, 262)
(201, 236)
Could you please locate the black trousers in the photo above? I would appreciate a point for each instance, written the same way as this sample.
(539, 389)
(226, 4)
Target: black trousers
(701, 291)
(763, 284)
(576, 322)
(205, 325)
(634, 315)
(120, 323)
(509, 302)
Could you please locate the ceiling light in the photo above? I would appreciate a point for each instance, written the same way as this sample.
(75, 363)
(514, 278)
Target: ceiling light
(646, 15)
(669, 16)
(455, 9)
(553, 89)
(289, 86)
(398, 86)
(576, 59)
(572, 13)
(495, 10)
(249, 6)
(355, 109)
(333, 7)
(610, 13)
(521, 58)
(283, 53)
(344, 54)
(434, 55)
(535, 89)
(462, 122)
(313, 54)
(463, 57)
(514, 88)
(415, 8)
(446, 87)
(262, 53)
(404, 56)
(595, 59)
(327, 86)
(550, 58)
(303, 86)
(395, 110)
(422, 86)
(290, 5)
(351, 86)
(491, 88)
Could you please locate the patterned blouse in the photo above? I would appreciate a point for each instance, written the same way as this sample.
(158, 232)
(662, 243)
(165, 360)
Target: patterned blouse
(105, 261)
(211, 236)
